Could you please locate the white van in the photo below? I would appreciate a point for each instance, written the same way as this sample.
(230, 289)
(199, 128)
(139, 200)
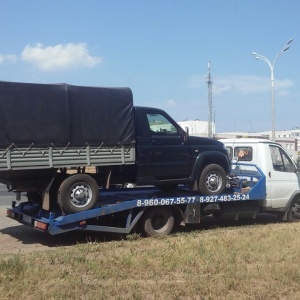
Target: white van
(282, 177)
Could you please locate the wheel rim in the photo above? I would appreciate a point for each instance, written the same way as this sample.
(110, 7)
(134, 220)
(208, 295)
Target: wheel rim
(159, 222)
(80, 194)
(296, 211)
(213, 181)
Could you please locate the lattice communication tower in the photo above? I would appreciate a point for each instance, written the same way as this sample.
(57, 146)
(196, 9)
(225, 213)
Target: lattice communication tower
(210, 104)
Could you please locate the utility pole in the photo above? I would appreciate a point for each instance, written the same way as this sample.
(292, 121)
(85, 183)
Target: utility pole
(272, 65)
(210, 104)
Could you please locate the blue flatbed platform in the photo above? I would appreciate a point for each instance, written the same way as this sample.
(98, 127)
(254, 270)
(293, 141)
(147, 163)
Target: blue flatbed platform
(132, 203)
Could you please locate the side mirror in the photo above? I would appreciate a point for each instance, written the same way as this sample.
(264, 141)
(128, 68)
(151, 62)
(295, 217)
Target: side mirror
(235, 160)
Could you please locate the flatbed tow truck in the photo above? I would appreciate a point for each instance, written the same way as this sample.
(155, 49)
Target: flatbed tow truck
(149, 209)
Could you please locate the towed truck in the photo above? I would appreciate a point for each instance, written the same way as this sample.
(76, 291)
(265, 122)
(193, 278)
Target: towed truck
(53, 135)
(263, 179)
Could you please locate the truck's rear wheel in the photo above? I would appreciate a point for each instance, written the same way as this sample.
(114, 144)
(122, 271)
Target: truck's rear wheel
(294, 211)
(78, 193)
(212, 180)
(158, 221)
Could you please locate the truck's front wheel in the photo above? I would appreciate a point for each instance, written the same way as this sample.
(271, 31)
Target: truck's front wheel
(294, 212)
(78, 193)
(212, 180)
(158, 221)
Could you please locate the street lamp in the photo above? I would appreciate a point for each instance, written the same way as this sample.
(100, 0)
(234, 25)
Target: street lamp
(271, 65)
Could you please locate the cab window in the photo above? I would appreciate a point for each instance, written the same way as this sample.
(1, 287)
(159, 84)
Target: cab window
(230, 152)
(280, 160)
(160, 125)
(243, 153)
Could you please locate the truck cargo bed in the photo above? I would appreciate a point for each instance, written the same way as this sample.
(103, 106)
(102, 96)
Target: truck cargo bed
(33, 157)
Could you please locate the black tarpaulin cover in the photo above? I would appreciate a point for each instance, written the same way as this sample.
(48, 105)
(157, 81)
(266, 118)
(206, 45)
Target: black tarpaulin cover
(59, 114)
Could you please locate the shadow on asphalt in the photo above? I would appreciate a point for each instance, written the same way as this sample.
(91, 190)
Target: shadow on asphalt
(28, 235)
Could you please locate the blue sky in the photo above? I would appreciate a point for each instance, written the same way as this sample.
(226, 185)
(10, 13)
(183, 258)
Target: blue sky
(160, 49)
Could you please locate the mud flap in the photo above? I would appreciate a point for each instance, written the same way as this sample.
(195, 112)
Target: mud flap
(46, 195)
(192, 213)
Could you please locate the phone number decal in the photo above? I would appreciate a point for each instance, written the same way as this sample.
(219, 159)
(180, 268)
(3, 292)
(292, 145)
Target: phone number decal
(189, 200)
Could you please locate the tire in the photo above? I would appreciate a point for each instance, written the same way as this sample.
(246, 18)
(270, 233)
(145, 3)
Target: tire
(294, 211)
(212, 180)
(78, 193)
(158, 221)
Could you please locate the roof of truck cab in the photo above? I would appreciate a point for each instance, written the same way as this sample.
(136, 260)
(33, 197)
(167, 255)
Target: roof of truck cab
(246, 141)
(149, 108)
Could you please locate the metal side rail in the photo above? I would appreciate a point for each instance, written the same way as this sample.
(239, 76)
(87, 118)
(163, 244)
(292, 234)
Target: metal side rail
(133, 202)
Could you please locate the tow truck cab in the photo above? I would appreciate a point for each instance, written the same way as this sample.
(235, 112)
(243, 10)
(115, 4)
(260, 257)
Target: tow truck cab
(282, 176)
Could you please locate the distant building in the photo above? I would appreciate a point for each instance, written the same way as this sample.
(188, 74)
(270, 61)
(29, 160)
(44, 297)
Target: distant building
(289, 139)
(197, 128)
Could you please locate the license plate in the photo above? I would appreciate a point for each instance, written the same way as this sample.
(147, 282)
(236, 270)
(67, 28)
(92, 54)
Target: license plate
(27, 219)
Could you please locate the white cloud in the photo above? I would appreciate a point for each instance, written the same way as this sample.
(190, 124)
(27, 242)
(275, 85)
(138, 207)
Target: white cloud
(243, 84)
(195, 82)
(171, 102)
(7, 57)
(60, 57)
(246, 84)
